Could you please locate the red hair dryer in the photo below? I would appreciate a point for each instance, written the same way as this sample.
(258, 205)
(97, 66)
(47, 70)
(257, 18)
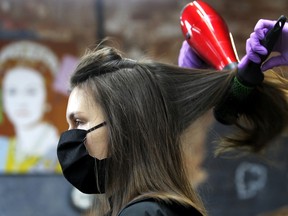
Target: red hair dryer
(207, 34)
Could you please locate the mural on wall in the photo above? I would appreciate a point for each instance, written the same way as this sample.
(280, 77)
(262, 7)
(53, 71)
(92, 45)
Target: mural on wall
(33, 81)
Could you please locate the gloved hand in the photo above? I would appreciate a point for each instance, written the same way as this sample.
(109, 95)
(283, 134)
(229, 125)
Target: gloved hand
(189, 59)
(254, 48)
(281, 45)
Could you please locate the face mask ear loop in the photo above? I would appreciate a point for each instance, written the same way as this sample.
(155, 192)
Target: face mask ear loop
(96, 171)
(92, 129)
(96, 127)
(84, 142)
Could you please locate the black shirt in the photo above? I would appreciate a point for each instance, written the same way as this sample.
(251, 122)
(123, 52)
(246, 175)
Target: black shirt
(152, 207)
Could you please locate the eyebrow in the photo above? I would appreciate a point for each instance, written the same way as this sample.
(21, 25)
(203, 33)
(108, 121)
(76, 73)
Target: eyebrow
(72, 115)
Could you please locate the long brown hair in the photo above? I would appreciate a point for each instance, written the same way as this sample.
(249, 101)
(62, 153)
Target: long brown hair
(148, 105)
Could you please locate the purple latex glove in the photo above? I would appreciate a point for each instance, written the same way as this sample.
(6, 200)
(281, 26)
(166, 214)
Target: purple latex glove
(189, 59)
(254, 48)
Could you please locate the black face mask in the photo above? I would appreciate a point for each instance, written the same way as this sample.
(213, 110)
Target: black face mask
(83, 171)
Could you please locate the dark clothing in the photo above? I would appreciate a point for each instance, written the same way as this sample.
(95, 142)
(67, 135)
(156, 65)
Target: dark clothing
(152, 207)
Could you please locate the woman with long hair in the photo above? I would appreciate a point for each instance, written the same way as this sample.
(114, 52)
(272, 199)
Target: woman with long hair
(127, 120)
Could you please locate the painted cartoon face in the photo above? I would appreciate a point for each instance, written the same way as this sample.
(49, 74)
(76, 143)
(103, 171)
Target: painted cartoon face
(24, 96)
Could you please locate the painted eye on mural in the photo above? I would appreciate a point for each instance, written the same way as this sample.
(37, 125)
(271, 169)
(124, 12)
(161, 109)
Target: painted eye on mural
(11, 91)
(31, 91)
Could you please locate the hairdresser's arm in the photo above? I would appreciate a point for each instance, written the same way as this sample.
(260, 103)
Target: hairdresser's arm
(254, 48)
(189, 59)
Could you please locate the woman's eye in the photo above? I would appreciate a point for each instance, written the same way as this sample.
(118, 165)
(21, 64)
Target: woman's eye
(12, 91)
(77, 122)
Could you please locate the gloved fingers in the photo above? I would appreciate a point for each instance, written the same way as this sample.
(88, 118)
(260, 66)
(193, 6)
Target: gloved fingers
(250, 54)
(261, 33)
(183, 58)
(256, 45)
(254, 48)
(188, 58)
(268, 24)
(185, 45)
(243, 62)
(275, 62)
(264, 24)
